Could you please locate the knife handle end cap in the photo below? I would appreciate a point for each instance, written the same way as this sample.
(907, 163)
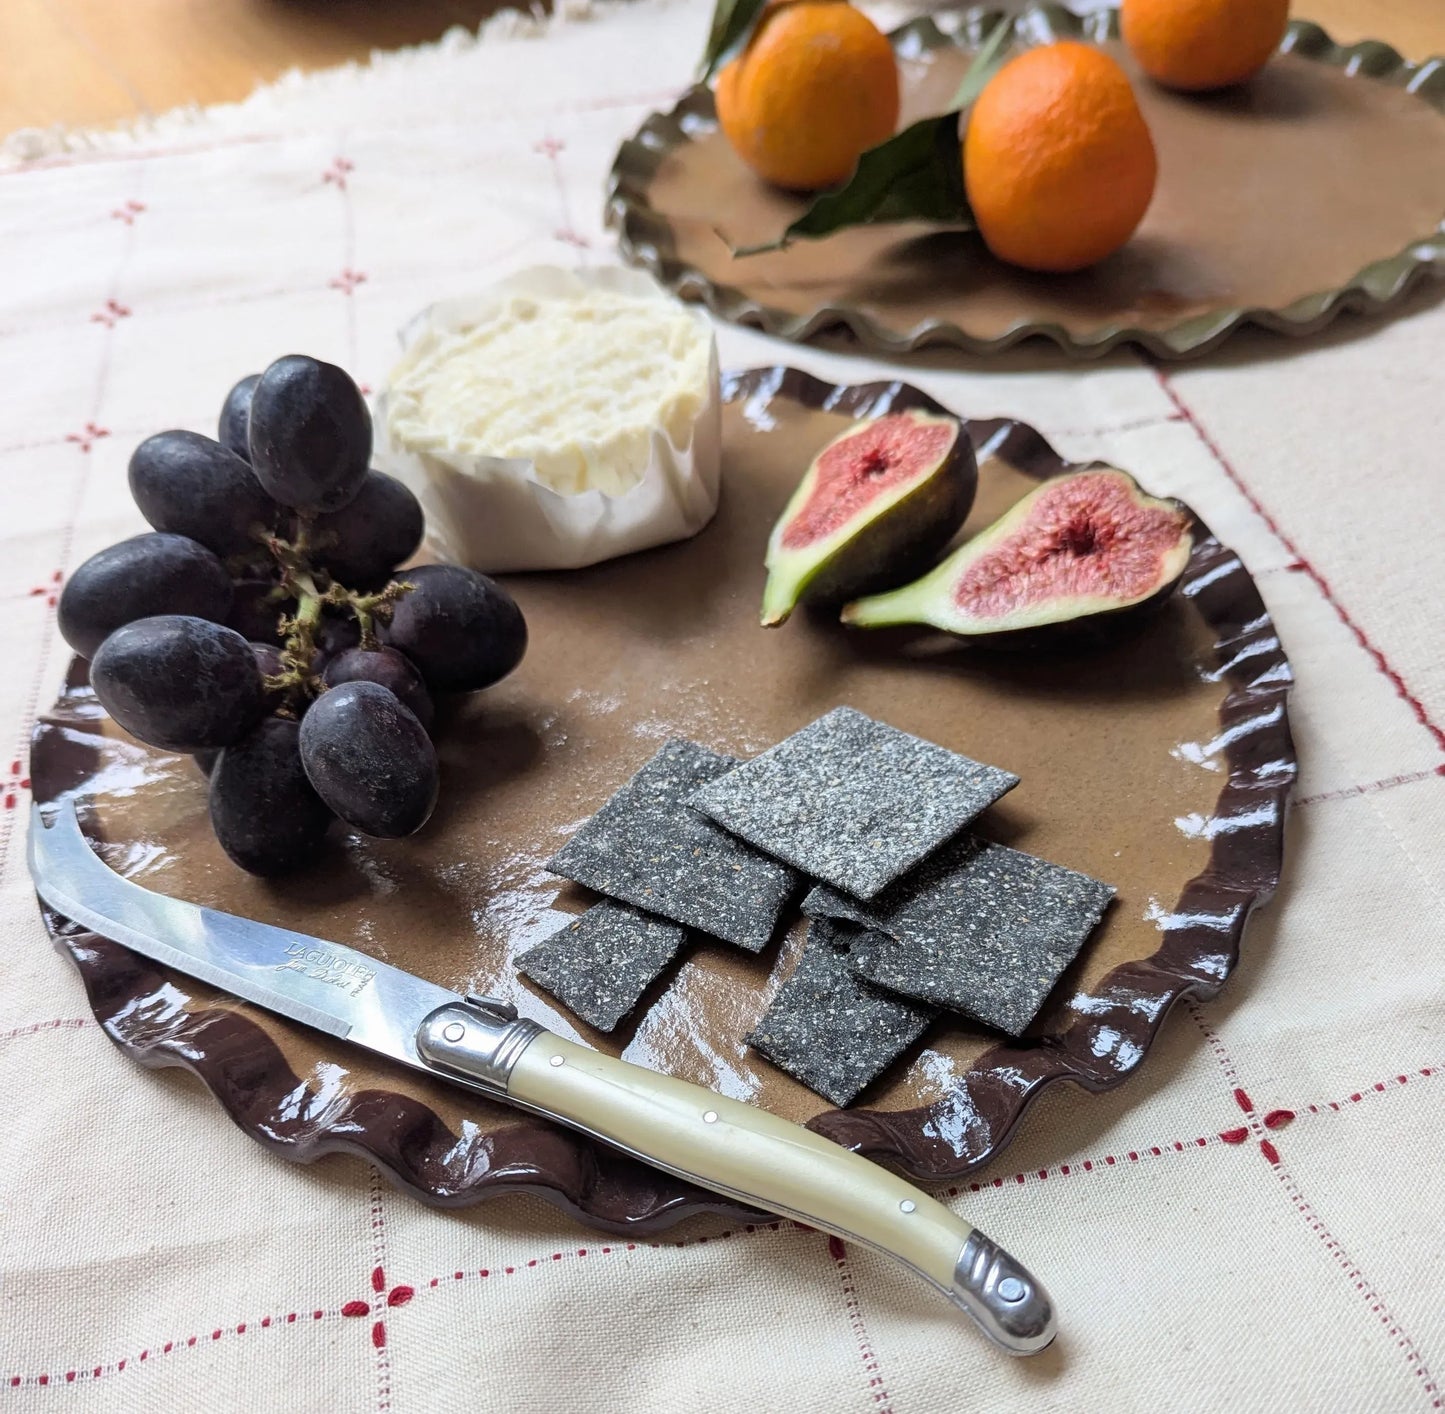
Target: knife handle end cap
(1007, 1301)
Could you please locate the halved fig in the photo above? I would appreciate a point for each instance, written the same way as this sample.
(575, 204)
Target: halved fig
(876, 505)
(1077, 554)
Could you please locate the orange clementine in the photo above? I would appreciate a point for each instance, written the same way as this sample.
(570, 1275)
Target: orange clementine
(816, 85)
(1057, 159)
(1202, 44)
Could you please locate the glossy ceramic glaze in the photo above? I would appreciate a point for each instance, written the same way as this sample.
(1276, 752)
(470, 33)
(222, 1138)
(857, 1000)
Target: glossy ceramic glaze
(1317, 186)
(1161, 765)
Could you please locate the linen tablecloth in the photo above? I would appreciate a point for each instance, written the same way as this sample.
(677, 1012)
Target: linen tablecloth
(1252, 1222)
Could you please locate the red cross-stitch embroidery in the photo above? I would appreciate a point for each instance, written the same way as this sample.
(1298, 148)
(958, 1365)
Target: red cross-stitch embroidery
(112, 314)
(88, 437)
(50, 591)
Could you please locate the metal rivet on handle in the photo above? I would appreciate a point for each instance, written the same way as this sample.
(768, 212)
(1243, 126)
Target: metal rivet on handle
(454, 1031)
(1012, 1289)
(556, 1060)
(906, 1206)
(710, 1117)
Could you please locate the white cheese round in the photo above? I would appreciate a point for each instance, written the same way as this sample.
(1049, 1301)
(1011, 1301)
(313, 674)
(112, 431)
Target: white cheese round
(559, 419)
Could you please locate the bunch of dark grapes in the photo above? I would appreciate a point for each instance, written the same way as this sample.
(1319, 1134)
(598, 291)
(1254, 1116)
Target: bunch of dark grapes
(263, 625)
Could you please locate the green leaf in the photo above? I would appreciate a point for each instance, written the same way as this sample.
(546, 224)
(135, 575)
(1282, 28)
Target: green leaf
(987, 60)
(917, 175)
(732, 23)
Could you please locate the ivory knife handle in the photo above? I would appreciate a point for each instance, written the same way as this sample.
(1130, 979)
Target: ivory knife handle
(755, 1157)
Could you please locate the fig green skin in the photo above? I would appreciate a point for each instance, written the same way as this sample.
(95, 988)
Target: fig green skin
(264, 812)
(1083, 623)
(881, 550)
(145, 575)
(1090, 632)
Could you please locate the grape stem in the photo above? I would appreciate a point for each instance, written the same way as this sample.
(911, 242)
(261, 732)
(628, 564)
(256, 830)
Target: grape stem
(314, 590)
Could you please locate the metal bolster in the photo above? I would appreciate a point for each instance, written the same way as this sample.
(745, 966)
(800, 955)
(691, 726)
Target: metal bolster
(477, 1041)
(1003, 1296)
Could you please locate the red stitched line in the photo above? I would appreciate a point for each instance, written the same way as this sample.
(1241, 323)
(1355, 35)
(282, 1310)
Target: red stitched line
(1159, 419)
(1371, 787)
(67, 537)
(876, 1388)
(42, 442)
(1321, 583)
(350, 278)
(607, 1250)
(400, 1295)
(60, 1023)
(83, 159)
(1351, 1269)
(550, 147)
(378, 1285)
(171, 1347)
(1380, 1087)
(1312, 1219)
(1101, 1165)
(1226, 1062)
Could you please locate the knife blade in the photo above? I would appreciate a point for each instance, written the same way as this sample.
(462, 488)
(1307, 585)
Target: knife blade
(481, 1044)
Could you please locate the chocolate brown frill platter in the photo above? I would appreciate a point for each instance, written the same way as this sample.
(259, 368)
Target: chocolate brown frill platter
(1161, 764)
(1318, 187)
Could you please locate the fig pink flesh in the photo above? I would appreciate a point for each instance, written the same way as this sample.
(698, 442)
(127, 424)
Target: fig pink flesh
(853, 472)
(1086, 537)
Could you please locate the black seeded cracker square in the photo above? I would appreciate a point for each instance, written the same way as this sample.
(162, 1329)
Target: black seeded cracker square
(829, 1028)
(852, 801)
(979, 928)
(647, 848)
(601, 963)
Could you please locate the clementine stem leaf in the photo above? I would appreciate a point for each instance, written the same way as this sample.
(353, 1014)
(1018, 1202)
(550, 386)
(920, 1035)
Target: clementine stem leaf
(986, 61)
(917, 175)
(732, 23)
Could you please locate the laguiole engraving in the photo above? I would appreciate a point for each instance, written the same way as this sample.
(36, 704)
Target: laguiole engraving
(322, 966)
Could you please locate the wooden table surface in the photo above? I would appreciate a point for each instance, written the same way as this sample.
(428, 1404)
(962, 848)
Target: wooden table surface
(103, 61)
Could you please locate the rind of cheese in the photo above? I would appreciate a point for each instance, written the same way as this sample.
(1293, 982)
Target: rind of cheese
(561, 418)
(576, 386)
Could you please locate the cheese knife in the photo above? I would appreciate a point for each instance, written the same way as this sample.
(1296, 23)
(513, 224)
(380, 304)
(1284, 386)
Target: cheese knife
(481, 1043)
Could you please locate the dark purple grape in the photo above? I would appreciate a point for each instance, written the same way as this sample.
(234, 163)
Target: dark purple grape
(337, 631)
(263, 809)
(268, 660)
(179, 682)
(255, 614)
(310, 434)
(391, 669)
(462, 630)
(140, 577)
(370, 760)
(235, 424)
(190, 485)
(360, 544)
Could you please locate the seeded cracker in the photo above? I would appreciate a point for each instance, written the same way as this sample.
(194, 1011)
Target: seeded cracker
(980, 928)
(648, 849)
(600, 964)
(829, 1028)
(851, 801)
